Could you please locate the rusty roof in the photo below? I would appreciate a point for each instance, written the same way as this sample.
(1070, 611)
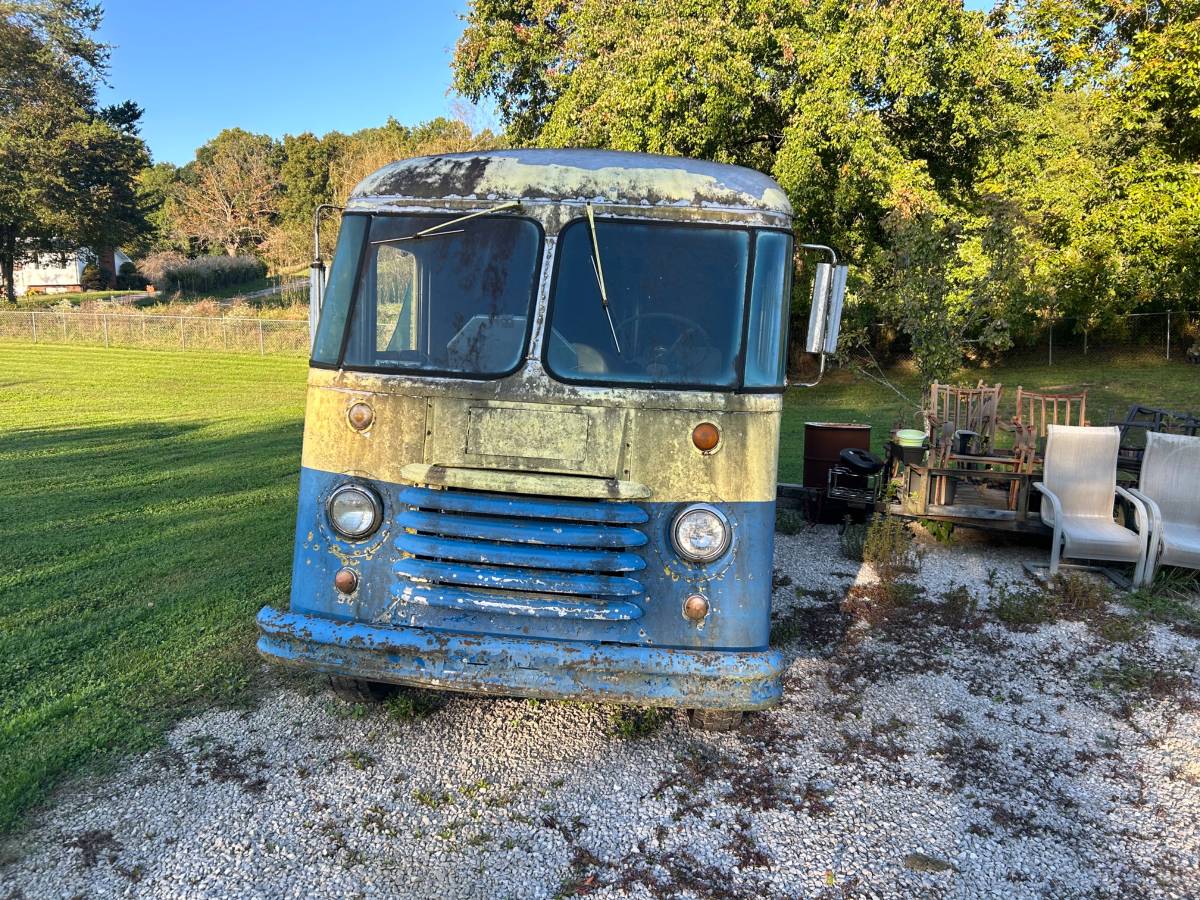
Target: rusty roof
(599, 176)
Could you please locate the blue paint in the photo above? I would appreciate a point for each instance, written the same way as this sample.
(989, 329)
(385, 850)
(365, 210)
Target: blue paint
(516, 579)
(528, 667)
(512, 505)
(549, 606)
(501, 529)
(497, 582)
(521, 555)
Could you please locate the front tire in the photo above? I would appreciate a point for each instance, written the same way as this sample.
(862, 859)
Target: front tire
(356, 690)
(715, 719)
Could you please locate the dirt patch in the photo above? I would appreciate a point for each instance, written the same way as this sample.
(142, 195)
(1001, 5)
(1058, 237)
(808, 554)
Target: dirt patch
(223, 763)
(93, 845)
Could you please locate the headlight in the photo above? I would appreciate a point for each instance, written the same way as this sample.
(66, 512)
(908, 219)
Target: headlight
(700, 533)
(354, 512)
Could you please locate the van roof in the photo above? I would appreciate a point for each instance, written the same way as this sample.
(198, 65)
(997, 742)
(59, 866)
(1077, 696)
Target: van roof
(601, 176)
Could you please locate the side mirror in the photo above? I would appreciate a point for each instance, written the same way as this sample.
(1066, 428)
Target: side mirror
(825, 317)
(833, 320)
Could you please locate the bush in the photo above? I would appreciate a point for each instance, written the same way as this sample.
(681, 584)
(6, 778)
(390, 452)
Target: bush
(169, 271)
(93, 278)
(888, 547)
(128, 278)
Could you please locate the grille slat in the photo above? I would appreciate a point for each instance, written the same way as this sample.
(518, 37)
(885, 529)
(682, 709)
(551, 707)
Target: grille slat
(518, 579)
(525, 531)
(520, 506)
(495, 553)
(553, 607)
(521, 555)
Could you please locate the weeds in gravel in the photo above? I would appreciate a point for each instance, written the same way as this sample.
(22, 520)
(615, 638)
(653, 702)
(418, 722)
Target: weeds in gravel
(961, 606)
(475, 788)
(1121, 629)
(410, 705)
(1025, 607)
(1078, 593)
(879, 603)
(1131, 677)
(853, 539)
(359, 759)
(342, 710)
(429, 799)
(1063, 596)
(635, 722)
(789, 521)
(888, 547)
(1168, 602)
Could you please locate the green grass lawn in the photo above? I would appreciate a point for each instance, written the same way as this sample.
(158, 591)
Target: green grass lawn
(146, 507)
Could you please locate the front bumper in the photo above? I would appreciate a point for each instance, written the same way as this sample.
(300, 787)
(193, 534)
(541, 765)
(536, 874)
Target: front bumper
(525, 667)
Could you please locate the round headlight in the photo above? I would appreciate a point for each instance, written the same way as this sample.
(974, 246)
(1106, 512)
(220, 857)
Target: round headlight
(700, 533)
(354, 512)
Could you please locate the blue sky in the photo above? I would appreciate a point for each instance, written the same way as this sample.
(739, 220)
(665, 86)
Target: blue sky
(276, 67)
(282, 67)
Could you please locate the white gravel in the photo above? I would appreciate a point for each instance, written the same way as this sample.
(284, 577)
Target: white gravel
(909, 758)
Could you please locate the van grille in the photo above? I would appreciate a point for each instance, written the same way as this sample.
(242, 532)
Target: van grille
(519, 554)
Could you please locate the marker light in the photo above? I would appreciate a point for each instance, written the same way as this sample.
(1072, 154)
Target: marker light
(360, 416)
(346, 581)
(706, 436)
(354, 511)
(695, 608)
(700, 533)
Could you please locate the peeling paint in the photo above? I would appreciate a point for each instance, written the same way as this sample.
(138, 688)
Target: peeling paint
(596, 176)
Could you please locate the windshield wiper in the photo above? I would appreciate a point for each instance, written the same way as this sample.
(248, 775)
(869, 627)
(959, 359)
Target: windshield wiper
(599, 270)
(440, 227)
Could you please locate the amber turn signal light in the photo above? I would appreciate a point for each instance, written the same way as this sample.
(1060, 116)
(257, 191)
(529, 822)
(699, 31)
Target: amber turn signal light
(346, 581)
(706, 437)
(695, 608)
(360, 416)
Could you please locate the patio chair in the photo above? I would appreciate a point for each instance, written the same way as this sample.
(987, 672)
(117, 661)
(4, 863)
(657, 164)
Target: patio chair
(1043, 410)
(1079, 490)
(970, 410)
(1170, 488)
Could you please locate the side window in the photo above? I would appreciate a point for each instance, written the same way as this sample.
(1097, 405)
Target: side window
(770, 299)
(396, 314)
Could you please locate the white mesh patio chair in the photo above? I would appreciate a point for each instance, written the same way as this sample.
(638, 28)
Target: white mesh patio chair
(1079, 489)
(1170, 488)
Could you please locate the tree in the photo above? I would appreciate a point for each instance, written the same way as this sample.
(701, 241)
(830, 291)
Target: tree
(67, 167)
(977, 170)
(876, 118)
(232, 193)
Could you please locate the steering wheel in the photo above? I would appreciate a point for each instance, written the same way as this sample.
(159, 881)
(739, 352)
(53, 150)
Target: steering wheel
(688, 327)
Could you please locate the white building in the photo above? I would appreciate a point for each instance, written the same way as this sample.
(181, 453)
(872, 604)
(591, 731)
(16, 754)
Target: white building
(52, 274)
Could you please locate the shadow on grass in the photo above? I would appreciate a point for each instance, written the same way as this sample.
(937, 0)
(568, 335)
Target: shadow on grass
(132, 561)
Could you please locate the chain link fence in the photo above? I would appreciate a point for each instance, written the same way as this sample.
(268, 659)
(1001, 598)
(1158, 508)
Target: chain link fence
(1148, 336)
(1170, 335)
(236, 335)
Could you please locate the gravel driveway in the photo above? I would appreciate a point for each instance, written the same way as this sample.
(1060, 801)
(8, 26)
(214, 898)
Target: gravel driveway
(930, 751)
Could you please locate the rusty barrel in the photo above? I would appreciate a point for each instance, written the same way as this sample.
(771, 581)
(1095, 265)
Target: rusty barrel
(823, 441)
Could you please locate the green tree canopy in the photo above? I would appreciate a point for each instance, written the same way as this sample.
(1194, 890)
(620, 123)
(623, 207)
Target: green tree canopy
(977, 169)
(68, 168)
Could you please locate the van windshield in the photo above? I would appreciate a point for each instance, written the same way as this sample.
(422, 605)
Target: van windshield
(676, 295)
(455, 300)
